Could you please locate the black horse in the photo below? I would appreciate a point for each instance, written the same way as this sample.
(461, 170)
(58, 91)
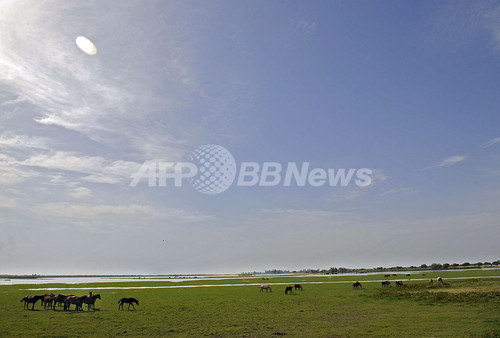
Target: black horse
(357, 285)
(31, 300)
(386, 283)
(297, 287)
(59, 300)
(288, 289)
(90, 301)
(78, 301)
(129, 301)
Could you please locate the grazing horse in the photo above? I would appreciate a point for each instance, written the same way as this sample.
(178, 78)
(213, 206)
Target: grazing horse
(399, 283)
(288, 289)
(386, 283)
(408, 275)
(78, 301)
(265, 287)
(90, 301)
(357, 285)
(440, 281)
(298, 287)
(31, 300)
(129, 301)
(25, 300)
(47, 300)
(387, 275)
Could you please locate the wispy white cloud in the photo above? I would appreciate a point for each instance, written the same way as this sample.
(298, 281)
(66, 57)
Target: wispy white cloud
(57, 179)
(308, 213)
(37, 153)
(352, 193)
(491, 142)
(12, 173)
(144, 212)
(304, 26)
(452, 160)
(85, 211)
(491, 21)
(17, 100)
(399, 192)
(348, 194)
(55, 120)
(379, 176)
(93, 166)
(11, 140)
(80, 192)
(467, 23)
(7, 202)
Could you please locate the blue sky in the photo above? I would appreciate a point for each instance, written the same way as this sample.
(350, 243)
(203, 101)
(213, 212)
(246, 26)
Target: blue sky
(408, 89)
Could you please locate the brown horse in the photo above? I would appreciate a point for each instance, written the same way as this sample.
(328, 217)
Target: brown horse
(357, 285)
(129, 301)
(59, 300)
(288, 289)
(47, 300)
(399, 283)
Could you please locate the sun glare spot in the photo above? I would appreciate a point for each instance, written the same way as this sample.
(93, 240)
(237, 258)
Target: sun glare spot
(86, 45)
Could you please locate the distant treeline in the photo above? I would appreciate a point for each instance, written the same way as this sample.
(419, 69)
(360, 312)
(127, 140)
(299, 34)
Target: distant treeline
(334, 270)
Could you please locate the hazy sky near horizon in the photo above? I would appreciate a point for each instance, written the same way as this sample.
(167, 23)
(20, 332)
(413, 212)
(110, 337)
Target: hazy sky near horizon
(409, 89)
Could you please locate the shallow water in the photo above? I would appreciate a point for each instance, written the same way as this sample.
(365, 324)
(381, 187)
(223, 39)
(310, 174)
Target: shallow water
(177, 278)
(95, 279)
(246, 284)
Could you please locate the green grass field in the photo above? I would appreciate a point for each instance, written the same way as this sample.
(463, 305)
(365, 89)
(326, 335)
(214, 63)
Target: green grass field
(327, 307)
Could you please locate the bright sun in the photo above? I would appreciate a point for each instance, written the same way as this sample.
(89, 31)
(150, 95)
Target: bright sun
(86, 45)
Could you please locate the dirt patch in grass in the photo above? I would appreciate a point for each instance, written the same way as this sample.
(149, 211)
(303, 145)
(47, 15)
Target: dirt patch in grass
(470, 292)
(467, 290)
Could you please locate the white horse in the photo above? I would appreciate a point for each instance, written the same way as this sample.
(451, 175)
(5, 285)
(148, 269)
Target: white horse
(265, 287)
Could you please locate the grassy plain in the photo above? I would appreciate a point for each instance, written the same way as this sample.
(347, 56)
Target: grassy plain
(328, 307)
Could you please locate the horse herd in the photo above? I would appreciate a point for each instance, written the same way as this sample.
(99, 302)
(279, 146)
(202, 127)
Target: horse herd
(51, 301)
(386, 283)
(355, 285)
(288, 289)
